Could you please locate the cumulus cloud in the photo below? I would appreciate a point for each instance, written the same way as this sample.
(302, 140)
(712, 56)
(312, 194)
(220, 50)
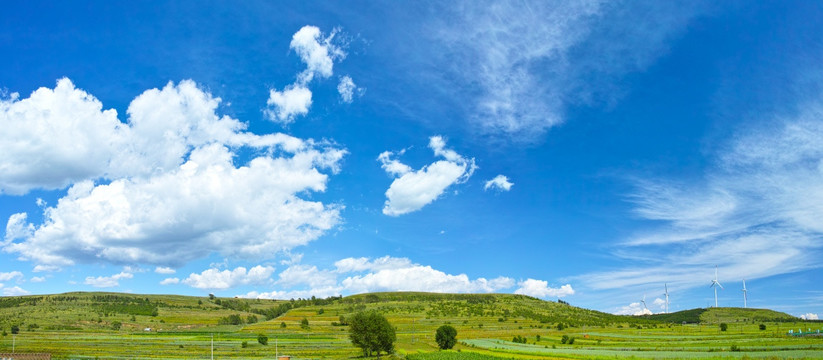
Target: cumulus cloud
(6, 276)
(287, 104)
(500, 182)
(361, 275)
(541, 289)
(170, 281)
(635, 309)
(176, 193)
(363, 264)
(164, 270)
(412, 190)
(37, 279)
(809, 316)
(15, 291)
(226, 279)
(346, 88)
(107, 281)
(318, 52)
(755, 212)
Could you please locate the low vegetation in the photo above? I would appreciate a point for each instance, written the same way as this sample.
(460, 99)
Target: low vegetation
(490, 326)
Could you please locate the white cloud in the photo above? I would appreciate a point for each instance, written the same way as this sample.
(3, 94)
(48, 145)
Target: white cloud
(177, 194)
(421, 278)
(308, 275)
(362, 264)
(380, 274)
(45, 268)
(37, 279)
(6, 276)
(170, 281)
(527, 61)
(164, 270)
(15, 291)
(809, 316)
(755, 212)
(635, 309)
(660, 303)
(541, 289)
(500, 182)
(56, 138)
(226, 279)
(107, 281)
(317, 51)
(346, 88)
(415, 189)
(287, 104)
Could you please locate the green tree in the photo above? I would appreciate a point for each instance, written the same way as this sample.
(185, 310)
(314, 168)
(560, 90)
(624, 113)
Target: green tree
(262, 339)
(15, 329)
(762, 326)
(304, 323)
(370, 331)
(723, 326)
(116, 325)
(446, 337)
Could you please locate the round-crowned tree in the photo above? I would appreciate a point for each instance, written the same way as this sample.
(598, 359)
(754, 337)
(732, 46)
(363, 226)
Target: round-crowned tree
(370, 331)
(446, 337)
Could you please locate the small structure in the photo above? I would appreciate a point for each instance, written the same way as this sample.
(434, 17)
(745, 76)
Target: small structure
(284, 357)
(147, 329)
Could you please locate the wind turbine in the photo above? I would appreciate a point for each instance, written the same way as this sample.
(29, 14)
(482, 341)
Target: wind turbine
(667, 297)
(644, 302)
(715, 282)
(745, 293)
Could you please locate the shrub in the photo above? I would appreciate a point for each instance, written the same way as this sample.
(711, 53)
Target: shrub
(283, 325)
(245, 344)
(571, 340)
(15, 329)
(262, 339)
(304, 323)
(116, 325)
(735, 348)
(724, 326)
(251, 319)
(446, 337)
(564, 339)
(762, 326)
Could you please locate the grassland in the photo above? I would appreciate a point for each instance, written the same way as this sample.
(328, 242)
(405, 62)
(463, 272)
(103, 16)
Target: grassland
(114, 326)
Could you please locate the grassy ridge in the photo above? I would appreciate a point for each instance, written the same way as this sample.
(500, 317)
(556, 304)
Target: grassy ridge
(83, 325)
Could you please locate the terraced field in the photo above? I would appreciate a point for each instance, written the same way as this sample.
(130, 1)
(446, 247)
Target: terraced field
(113, 326)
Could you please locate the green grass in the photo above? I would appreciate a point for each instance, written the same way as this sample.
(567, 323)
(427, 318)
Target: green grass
(79, 325)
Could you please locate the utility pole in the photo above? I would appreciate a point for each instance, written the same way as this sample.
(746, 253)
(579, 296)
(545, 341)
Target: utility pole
(13, 340)
(212, 346)
(275, 347)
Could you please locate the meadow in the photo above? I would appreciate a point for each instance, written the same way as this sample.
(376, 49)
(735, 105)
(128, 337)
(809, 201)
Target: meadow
(125, 326)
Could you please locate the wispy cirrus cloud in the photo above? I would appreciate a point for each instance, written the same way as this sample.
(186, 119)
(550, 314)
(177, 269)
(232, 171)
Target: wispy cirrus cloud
(526, 62)
(755, 213)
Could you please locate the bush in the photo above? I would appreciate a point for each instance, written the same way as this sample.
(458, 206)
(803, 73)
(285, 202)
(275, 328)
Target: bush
(15, 329)
(735, 348)
(283, 325)
(371, 331)
(724, 326)
(263, 339)
(571, 340)
(116, 325)
(251, 319)
(519, 339)
(564, 339)
(446, 337)
(245, 344)
(762, 326)
(304, 323)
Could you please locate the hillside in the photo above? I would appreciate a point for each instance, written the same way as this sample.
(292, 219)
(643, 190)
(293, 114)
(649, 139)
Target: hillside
(129, 326)
(723, 315)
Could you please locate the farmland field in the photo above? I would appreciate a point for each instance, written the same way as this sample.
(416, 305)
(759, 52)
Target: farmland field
(124, 326)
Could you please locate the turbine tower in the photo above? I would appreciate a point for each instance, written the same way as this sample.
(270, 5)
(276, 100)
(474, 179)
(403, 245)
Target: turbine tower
(644, 302)
(745, 293)
(714, 285)
(667, 297)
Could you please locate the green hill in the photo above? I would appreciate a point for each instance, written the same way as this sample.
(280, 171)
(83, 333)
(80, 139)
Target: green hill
(723, 315)
(129, 326)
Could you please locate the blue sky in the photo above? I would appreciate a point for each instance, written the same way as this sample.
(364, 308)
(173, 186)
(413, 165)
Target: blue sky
(593, 151)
